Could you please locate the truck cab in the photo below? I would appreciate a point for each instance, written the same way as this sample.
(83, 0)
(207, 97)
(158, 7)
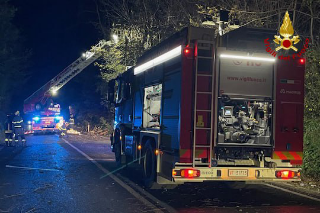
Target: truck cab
(48, 120)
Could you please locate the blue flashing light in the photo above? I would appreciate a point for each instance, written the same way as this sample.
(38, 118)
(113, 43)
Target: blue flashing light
(58, 118)
(243, 107)
(36, 118)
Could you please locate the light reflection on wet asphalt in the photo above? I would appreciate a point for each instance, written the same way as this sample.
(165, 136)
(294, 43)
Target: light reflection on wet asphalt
(75, 185)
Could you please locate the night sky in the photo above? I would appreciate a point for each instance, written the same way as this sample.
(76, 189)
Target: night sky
(57, 32)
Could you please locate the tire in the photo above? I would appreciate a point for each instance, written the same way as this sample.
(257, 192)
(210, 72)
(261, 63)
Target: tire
(149, 165)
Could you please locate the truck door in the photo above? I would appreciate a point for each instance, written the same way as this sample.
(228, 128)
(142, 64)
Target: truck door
(289, 110)
(170, 120)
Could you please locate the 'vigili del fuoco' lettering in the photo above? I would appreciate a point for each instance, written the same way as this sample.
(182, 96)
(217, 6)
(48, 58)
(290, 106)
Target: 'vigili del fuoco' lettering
(268, 49)
(305, 46)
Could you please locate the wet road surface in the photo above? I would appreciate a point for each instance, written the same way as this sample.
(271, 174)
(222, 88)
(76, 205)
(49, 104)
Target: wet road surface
(54, 175)
(71, 183)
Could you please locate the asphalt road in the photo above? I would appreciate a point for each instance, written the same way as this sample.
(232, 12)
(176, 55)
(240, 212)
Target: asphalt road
(79, 175)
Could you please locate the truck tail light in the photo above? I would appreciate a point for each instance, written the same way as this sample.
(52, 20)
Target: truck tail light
(190, 173)
(287, 174)
(174, 173)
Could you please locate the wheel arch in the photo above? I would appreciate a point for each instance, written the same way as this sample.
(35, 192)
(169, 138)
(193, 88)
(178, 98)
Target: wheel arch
(154, 138)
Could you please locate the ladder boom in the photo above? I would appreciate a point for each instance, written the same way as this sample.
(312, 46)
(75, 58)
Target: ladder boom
(65, 76)
(77, 66)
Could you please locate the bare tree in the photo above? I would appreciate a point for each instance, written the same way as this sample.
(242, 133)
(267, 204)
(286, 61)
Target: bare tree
(142, 24)
(13, 57)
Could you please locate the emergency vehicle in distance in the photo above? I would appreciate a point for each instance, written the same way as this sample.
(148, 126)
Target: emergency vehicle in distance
(45, 115)
(199, 107)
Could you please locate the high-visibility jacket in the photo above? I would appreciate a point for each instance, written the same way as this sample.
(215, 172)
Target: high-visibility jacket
(17, 122)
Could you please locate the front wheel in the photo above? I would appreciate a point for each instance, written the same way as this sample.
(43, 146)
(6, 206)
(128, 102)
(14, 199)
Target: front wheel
(149, 165)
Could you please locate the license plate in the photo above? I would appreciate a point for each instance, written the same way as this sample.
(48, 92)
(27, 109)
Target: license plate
(238, 173)
(207, 173)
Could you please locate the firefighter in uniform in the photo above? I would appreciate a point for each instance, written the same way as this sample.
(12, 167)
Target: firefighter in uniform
(18, 128)
(62, 128)
(8, 131)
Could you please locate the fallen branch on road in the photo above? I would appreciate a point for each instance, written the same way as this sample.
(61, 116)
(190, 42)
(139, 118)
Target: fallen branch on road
(43, 187)
(11, 196)
(31, 210)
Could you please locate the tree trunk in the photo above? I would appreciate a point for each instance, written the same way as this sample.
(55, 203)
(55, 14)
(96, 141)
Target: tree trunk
(294, 12)
(311, 22)
(279, 15)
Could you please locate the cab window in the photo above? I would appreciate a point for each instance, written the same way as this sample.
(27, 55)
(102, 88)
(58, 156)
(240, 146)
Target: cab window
(152, 106)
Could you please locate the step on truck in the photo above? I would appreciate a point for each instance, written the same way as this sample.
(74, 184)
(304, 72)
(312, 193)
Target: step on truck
(199, 107)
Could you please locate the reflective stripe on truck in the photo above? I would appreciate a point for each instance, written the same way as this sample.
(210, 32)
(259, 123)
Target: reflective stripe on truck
(287, 155)
(181, 175)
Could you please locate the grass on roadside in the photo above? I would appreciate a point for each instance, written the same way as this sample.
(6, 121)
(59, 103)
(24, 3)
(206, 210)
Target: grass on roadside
(311, 161)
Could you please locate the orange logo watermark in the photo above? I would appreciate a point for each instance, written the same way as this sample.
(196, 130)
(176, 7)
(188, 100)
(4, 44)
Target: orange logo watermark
(286, 31)
(286, 40)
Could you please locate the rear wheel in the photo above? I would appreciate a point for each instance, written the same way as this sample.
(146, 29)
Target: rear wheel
(149, 165)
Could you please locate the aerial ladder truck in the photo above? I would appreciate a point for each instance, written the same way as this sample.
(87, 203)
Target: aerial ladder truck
(40, 107)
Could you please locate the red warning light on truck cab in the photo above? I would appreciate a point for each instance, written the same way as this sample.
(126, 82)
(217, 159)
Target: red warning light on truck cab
(187, 51)
(302, 61)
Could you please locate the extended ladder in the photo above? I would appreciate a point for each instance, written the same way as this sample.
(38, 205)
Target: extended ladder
(65, 76)
(77, 66)
(203, 104)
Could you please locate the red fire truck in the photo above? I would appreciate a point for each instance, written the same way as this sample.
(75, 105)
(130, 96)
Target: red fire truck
(43, 114)
(199, 107)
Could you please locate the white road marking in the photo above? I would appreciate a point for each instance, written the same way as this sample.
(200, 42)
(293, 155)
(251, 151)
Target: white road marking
(120, 182)
(292, 192)
(147, 194)
(31, 168)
